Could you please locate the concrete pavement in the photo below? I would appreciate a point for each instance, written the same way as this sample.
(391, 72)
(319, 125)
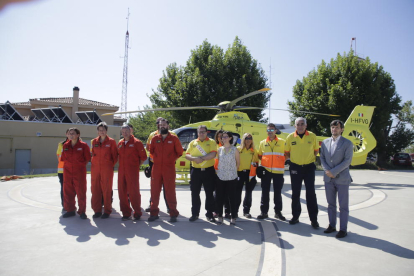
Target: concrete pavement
(36, 240)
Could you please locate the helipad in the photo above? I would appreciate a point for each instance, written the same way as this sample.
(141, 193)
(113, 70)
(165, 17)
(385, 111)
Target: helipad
(36, 240)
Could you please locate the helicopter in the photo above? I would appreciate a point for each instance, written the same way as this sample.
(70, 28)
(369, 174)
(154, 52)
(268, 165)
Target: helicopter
(231, 118)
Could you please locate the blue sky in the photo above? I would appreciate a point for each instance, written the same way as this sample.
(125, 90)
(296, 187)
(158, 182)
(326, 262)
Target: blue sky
(48, 46)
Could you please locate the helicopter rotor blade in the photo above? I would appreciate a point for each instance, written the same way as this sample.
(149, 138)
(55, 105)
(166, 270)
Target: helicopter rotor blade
(307, 112)
(233, 102)
(165, 109)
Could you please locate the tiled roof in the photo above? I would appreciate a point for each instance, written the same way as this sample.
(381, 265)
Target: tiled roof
(69, 100)
(22, 103)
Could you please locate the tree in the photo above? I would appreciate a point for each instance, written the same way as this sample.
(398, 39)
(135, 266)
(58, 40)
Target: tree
(401, 136)
(144, 123)
(209, 77)
(337, 87)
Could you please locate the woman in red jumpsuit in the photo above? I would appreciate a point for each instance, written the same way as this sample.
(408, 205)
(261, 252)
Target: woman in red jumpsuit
(104, 158)
(76, 154)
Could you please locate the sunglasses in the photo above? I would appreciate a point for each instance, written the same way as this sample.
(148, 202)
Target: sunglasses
(271, 130)
(248, 138)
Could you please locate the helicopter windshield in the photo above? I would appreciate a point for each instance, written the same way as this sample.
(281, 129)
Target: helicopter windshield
(188, 134)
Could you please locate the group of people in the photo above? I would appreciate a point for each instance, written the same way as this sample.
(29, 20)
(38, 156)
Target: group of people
(218, 166)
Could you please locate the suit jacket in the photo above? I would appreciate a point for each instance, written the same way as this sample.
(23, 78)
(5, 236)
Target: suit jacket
(338, 163)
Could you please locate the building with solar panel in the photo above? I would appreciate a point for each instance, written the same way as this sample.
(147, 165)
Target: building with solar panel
(30, 131)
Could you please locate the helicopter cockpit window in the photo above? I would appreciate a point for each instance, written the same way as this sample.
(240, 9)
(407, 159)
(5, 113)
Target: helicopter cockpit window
(186, 136)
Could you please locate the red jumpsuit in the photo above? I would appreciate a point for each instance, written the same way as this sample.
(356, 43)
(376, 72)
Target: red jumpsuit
(74, 175)
(130, 156)
(104, 158)
(164, 153)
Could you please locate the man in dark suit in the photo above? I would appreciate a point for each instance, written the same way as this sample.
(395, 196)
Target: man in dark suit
(336, 156)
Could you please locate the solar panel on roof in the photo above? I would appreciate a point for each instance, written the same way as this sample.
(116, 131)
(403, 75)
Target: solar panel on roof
(50, 115)
(88, 117)
(40, 116)
(7, 112)
(94, 117)
(61, 114)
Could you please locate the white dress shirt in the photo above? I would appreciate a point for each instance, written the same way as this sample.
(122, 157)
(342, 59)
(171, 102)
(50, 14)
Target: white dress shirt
(334, 144)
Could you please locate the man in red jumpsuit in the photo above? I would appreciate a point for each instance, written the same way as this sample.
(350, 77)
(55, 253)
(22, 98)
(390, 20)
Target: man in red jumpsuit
(104, 158)
(131, 155)
(75, 155)
(165, 150)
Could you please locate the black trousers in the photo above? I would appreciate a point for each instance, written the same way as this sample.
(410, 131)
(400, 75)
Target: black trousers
(278, 181)
(205, 178)
(226, 201)
(244, 180)
(163, 190)
(299, 174)
(226, 191)
(60, 175)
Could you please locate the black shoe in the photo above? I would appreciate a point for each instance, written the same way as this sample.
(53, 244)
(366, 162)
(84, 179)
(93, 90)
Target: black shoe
(83, 216)
(247, 215)
(330, 229)
(153, 218)
(341, 234)
(193, 218)
(105, 216)
(315, 224)
(294, 221)
(148, 209)
(279, 215)
(69, 214)
(97, 215)
(137, 217)
(227, 216)
(211, 219)
(173, 219)
(125, 218)
(262, 216)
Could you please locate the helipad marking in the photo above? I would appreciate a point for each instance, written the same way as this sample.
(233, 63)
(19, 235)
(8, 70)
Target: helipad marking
(16, 194)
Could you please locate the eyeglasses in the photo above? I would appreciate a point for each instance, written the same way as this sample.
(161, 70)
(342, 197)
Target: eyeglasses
(248, 138)
(202, 132)
(271, 130)
(222, 137)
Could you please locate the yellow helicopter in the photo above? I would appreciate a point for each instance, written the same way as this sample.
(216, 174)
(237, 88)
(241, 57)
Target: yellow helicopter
(230, 119)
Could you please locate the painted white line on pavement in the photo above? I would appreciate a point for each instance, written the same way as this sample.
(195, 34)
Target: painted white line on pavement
(272, 259)
(377, 197)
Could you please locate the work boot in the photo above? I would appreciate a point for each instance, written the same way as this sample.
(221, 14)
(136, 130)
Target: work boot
(69, 214)
(153, 218)
(97, 215)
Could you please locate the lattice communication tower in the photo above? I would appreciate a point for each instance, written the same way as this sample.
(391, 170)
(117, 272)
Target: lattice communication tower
(124, 103)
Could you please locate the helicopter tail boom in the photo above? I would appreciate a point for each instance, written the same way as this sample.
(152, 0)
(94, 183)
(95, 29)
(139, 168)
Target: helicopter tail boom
(357, 131)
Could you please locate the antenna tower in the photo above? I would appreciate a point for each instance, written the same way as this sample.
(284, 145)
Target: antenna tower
(124, 103)
(352, 42)
(270, 86)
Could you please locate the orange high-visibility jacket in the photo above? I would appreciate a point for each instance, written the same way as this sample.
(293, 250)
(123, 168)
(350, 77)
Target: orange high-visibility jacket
(273, 155)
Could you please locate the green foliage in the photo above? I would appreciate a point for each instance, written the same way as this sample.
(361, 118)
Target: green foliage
(144, 123)
(209, 77)
(409, 149)
(337, 87)
(400, 138)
